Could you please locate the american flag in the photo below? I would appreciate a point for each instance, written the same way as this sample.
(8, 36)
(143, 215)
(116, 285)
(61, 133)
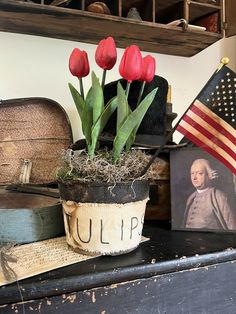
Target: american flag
(210, 121)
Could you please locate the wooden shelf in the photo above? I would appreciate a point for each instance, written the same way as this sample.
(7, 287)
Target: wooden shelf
(82, 26)
(198, 9)
(162, 274)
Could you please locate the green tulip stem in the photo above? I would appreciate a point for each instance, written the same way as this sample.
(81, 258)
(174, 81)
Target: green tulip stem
(81, 87)
(103, 78)
(127, 89)
(141, 93)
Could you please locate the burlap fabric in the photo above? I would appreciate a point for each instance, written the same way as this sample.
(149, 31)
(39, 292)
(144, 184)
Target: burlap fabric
(108, 229)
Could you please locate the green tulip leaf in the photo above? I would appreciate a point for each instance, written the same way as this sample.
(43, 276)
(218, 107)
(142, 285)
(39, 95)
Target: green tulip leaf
(80, 106)
(131, 139)
(123, 109)
(93, 107)
(78, 100)
(85, 113)
(87, 122)
(95, 99)
(130, 124)
(102, 121)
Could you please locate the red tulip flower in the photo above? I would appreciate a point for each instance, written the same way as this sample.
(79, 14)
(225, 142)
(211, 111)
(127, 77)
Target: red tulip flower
(148, 69)
(131, 64)
(79, 66)
(78, 63)
(148, 72)
(106, 54)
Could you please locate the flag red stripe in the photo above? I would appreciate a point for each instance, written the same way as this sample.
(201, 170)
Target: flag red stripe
(209, 135)
(213, 123)
(208, 142)
(199, 143)
(212, 130)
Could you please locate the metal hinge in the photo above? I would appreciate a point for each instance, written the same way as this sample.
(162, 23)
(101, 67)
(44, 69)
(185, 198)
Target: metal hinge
(25, 173)
(225, 25)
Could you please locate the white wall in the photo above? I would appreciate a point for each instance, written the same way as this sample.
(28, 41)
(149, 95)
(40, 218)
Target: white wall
(38, 66)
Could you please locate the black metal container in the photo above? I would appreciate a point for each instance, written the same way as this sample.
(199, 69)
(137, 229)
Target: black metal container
(93, 192)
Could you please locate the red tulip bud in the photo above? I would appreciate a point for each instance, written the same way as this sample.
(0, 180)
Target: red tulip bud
(148, 69)
(106, 54)
(131, 64)
(78, 63)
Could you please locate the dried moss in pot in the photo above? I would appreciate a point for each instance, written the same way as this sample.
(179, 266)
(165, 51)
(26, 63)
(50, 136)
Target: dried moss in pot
(100, 168)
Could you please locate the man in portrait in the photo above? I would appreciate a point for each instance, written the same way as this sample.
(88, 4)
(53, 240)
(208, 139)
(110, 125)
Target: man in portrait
(207, 207)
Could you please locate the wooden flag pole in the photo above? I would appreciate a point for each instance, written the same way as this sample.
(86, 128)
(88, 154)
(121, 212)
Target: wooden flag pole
(223, 62)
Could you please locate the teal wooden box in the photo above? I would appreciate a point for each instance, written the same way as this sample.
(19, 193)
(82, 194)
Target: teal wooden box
(26, 218)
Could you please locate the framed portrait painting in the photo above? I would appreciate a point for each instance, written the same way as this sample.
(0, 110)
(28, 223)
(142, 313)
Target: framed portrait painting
(203, 192)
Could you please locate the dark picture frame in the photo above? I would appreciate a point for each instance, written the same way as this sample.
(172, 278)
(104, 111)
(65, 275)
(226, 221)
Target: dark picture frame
(212, 208)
